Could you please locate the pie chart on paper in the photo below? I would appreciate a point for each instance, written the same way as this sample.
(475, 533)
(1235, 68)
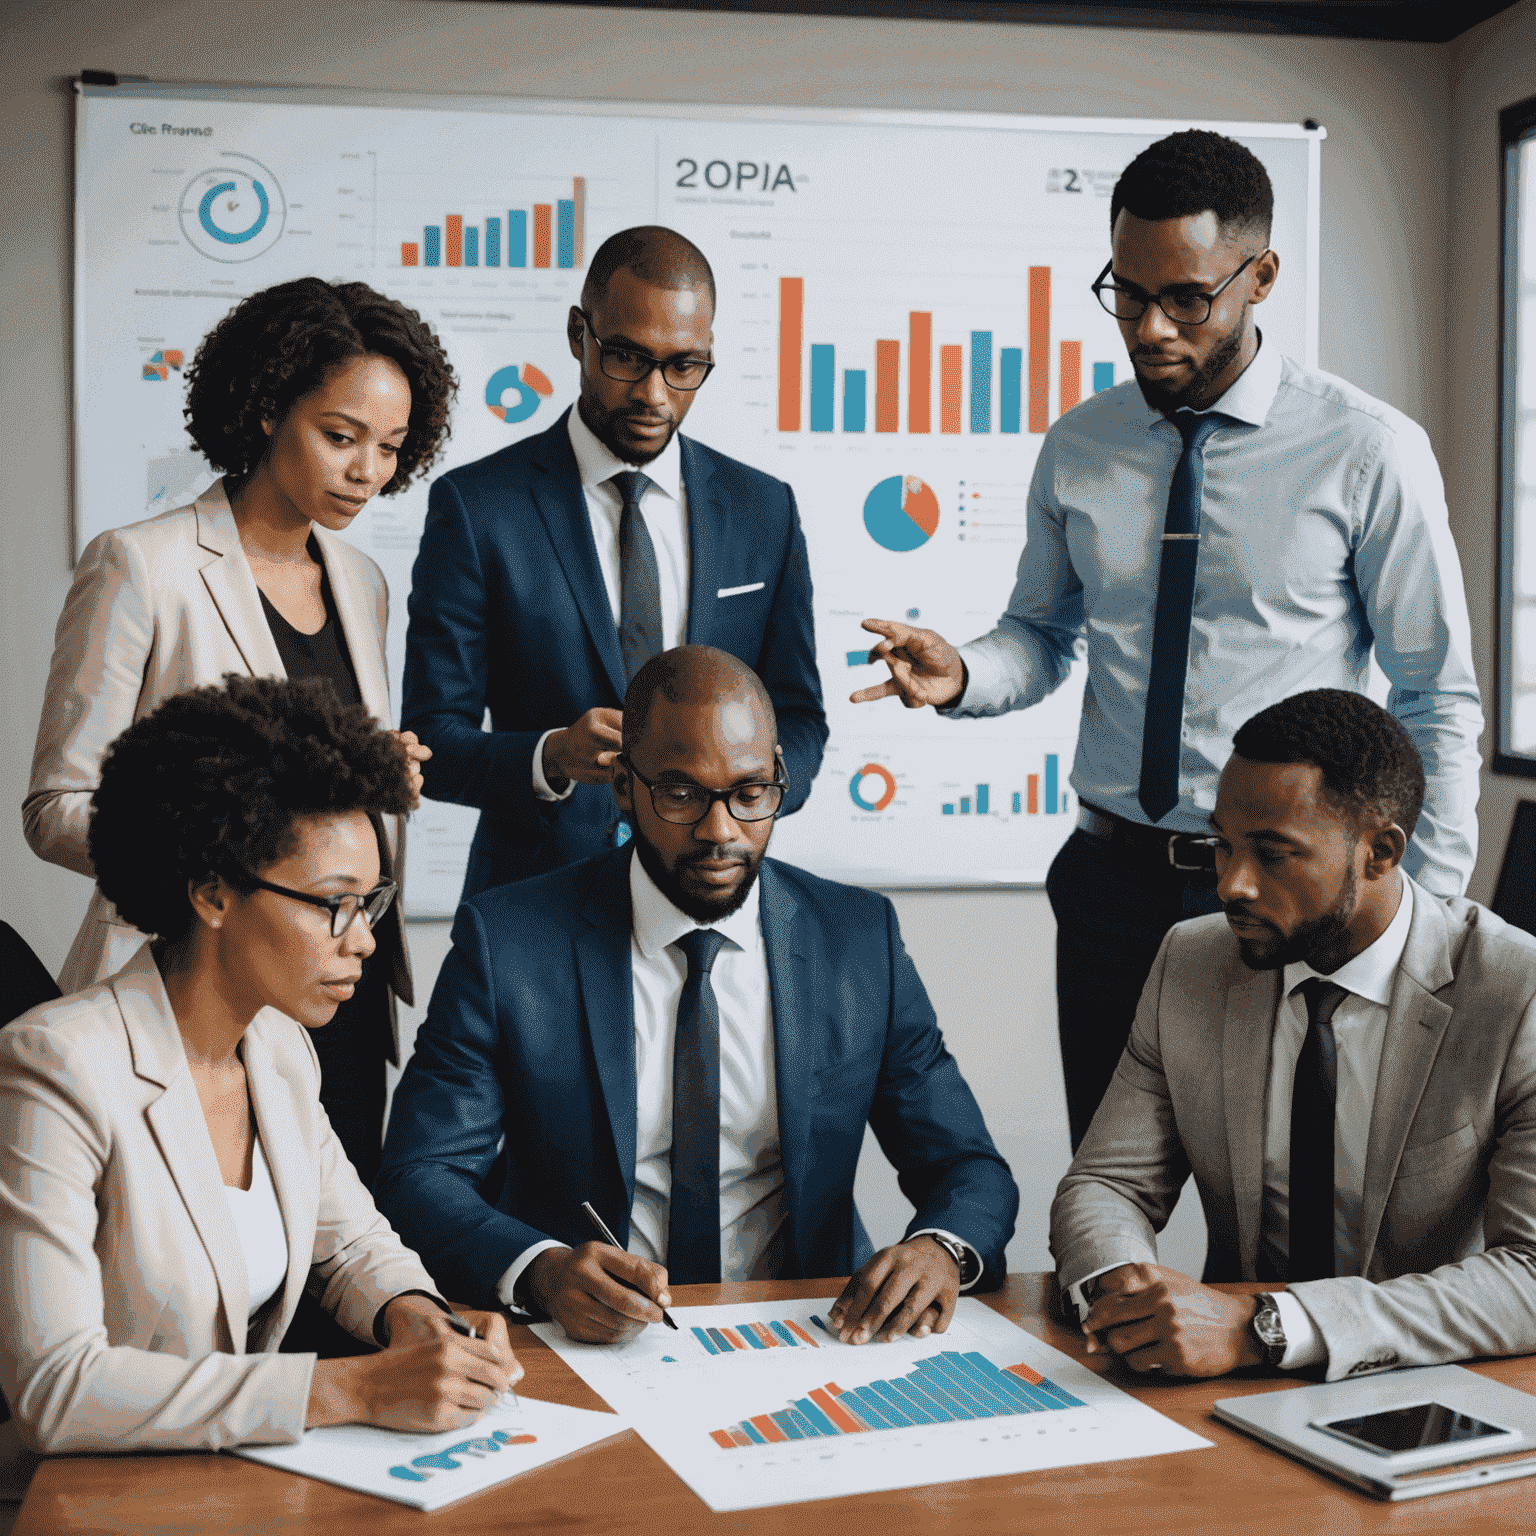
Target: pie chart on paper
(901, 513)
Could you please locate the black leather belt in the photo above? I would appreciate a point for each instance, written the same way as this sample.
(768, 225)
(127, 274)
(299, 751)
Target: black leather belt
(1186, 853)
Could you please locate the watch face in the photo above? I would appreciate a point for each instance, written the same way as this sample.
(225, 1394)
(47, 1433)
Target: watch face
(1266, 1323)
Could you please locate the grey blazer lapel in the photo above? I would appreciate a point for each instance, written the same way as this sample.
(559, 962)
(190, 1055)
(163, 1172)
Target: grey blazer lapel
(1416, 1024)
(1246, 1045)
(181, 1132)
(230, 584)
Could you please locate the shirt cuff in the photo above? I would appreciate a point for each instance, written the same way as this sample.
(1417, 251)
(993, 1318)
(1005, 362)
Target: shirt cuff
(1304, 1345)
(508, 1282)
(1075, 1291)
(541, 788)
(971, 1284)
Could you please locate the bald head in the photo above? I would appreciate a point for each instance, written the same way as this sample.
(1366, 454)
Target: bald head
(707, 679)
(656, 255)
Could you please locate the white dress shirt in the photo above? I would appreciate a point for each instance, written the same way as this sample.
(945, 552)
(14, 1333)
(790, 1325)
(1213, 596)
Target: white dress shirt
(263, 1238)
(754, 1207)
(1323, 534)
(664, 504)
(1359, 1031)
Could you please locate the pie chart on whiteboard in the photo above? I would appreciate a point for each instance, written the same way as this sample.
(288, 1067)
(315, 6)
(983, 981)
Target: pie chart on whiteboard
(901, 513)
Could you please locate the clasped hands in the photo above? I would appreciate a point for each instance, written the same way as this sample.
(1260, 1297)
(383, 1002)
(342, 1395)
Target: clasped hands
(1157, 1319)
(910, 1287)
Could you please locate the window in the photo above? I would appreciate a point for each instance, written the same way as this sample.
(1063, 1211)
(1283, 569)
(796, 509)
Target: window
(1515, 748)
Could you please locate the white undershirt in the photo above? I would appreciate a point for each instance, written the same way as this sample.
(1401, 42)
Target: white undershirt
(263, 1238)
(664, 504)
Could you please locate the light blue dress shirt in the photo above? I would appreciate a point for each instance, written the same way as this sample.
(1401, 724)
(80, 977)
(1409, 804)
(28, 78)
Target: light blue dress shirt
(1323, 532)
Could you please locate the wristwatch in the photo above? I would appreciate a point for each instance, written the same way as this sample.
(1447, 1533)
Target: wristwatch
(1267, 1330)
(966, 1262)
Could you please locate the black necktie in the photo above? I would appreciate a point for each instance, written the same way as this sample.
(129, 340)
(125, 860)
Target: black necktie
(1313, 1094)
(639, 582)
(693, 1221)
(1162, 728)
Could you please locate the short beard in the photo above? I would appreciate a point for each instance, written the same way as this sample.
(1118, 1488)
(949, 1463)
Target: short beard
(1322, 943)
(667, 882)
(1194, 395)
(622, 452)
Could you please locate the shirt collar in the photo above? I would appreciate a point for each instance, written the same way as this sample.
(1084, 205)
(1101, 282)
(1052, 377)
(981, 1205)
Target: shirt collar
(1370, 973)
(1249, 396)
(596, 463)
(657, 923)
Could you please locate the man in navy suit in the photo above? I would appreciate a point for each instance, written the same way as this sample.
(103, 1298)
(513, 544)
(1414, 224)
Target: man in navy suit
(692, 1039)
(550, 572)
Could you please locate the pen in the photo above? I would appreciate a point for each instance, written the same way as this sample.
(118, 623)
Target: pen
(601, 1228)
(459, 1326)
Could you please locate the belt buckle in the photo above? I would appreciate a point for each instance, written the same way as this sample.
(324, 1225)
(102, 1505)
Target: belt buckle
(1189, 837)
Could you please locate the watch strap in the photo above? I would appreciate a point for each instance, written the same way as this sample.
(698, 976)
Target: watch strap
(1267, 1330)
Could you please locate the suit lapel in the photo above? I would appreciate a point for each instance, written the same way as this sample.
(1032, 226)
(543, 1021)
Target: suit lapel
(181, 1132)
(1251, 1005)
(795, 1039)
(606, 977)
(708, 534)
(293, 1175)
(230, 584)
(1416, 1024)
(359, 622)
(562, 504)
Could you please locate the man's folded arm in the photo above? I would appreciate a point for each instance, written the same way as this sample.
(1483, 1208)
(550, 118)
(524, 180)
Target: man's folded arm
(930, 1127)
(445, 1127)
(1125, 1180)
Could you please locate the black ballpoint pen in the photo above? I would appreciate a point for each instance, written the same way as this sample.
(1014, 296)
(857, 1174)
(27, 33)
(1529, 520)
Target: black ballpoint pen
(601, 1228)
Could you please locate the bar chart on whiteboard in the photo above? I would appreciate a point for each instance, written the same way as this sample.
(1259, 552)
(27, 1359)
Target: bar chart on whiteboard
(903, 313)
(760, 1404)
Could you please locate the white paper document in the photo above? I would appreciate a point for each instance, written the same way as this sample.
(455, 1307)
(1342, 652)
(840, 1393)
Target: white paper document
(758, 1404)
(429, 1471)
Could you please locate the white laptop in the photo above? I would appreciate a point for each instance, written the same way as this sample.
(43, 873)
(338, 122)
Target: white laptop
(1400, 1434)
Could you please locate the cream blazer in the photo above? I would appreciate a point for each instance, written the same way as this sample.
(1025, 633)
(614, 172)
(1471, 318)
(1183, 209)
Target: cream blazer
(123, 1300)
(157, 608)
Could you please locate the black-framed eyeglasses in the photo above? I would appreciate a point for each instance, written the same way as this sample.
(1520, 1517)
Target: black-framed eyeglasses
(1181, 308)
(625, 365)
(344, 910)
(685, 804)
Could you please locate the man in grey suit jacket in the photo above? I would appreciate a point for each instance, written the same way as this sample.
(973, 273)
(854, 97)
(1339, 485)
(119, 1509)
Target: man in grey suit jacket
(1346, 1064)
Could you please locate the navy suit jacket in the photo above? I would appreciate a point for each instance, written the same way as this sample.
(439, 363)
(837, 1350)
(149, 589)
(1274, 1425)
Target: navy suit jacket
(508, 611)
(520, 1101)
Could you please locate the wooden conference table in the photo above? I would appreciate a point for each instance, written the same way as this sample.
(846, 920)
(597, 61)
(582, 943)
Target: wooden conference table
(624, 1487)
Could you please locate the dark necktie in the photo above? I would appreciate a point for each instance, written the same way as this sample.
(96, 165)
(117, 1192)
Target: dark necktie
(1313, 1092)
(1162, 728)
(693, 1221)
(639, 582)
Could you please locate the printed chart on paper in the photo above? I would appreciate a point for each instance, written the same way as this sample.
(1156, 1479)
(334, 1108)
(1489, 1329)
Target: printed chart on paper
(759, 1404)
(904, 309)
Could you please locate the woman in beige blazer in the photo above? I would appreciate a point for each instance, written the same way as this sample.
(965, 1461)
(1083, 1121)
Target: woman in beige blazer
(169, 1185)
(311, 397)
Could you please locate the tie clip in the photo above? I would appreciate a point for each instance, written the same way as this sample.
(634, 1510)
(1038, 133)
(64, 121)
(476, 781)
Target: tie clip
(1167, 536)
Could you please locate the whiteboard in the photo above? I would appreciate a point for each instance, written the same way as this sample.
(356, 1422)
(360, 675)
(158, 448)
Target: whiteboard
(903, 308)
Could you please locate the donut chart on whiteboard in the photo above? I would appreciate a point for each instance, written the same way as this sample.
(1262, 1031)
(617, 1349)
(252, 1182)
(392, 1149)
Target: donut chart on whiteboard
(858, 787)
(901, 513)
(233, 212)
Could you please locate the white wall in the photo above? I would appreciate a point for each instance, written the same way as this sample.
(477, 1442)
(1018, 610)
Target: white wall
(986, 958)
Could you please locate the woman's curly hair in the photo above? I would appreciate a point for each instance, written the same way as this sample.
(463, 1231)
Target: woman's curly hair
(279, 345)
(212, 782)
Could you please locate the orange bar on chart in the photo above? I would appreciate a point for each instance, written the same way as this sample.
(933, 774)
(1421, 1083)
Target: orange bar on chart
(887, 386)
(454, 255)
(844, 1420)
(766, 1337)
(1034, 794)
(920, 372)
(1026, 1373)
(735, 1341)
(722, 1438)
(408, 253)
(541, 234)
(1039, 348)
(791, 339)
(950, 362)
(768, 1429)
(741, 1437)
(800, 1333)
(1071, 374)
(579, 201)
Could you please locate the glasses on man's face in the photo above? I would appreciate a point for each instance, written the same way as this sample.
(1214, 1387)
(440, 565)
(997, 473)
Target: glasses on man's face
(1183, 307)
(685, 804)
(625, 365)
(344, 910)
